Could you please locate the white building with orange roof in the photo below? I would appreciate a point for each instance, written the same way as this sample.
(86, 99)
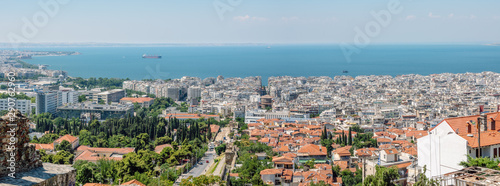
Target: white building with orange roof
(452, 140)
(94, 154)
(46, 147)
(74, 141)
(311, 151)
(284, 162)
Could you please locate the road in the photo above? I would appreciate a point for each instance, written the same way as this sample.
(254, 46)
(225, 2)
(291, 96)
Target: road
(198, 169)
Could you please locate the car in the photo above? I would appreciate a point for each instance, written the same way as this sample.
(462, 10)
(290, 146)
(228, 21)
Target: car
(201, 163)
(207, 161)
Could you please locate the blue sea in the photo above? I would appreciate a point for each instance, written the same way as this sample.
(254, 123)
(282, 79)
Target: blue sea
(278, 60)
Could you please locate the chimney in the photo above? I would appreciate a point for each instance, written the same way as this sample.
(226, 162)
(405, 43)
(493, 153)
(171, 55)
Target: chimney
(469, 128)
(492, 124)
(484, 122)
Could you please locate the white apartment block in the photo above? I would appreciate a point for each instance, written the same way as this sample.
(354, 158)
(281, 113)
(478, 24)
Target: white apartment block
(24, 106)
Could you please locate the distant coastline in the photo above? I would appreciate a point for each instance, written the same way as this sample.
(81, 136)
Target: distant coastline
(493, 44)
(280, 60)
(94, 44)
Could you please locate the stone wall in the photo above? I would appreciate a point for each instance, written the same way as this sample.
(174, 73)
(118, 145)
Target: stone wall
(25, 156)
(48, 175)
(60, 179)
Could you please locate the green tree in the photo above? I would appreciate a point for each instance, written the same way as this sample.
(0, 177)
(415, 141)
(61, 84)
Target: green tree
(85, 172)
(175, 145)
(350, 137)
(48, 138)
(64, 145)
(320, 183)
(143, 142)
(63, 157)
(34, 140)
(310, 163)
(383, 176)
(481, 162)
(85, 138)
(221, 148)
(63, 132)
(163, 140)
(424, 181)
(82, 98)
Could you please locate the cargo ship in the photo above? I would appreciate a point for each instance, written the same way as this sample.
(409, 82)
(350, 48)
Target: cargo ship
(151, 56)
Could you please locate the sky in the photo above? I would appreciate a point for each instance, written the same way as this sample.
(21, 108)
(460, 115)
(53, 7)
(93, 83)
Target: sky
(250, 21)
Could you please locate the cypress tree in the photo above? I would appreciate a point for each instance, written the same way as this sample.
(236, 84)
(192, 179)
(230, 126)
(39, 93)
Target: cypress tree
(350, 137)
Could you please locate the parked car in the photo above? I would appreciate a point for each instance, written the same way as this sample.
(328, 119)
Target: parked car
(207, 161)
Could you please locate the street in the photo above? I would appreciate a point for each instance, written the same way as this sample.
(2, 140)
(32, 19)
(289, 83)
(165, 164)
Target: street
(198, 169)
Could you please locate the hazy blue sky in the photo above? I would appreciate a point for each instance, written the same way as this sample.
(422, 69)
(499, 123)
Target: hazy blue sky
(255, 21)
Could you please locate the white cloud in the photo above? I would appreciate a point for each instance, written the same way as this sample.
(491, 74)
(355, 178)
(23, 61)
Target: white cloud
(249, 18)
(433, 16)
(472, 16)
(411, 17)
(451, 15)
(496, 17)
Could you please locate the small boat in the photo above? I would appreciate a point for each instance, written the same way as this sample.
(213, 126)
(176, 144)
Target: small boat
(151, 57)
(268, 47)
(345, 71)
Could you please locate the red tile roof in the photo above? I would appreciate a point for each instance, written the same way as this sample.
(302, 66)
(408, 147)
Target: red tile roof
(391, 151)
(39, 146)
(124, 150)
(95, 184)
(133, 182)
(343, 151)
(214, 128)
(312, 150)
(271, 171)
(91, 156)
(460, 124)
(159, 148)
(66, 137)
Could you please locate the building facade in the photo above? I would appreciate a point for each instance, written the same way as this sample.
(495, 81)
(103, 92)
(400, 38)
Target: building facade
(47, 102)
(22, 105)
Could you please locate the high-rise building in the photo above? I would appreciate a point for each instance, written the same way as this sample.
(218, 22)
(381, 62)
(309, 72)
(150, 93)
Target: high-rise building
(173, 93)
(193, 92)
(48, 102)
(111, 95)
(69, 96)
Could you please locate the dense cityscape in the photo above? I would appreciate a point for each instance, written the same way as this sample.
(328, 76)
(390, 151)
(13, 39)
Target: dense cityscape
(362, 130)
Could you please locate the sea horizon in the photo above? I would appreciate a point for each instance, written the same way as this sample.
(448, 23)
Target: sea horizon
(269, 60)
